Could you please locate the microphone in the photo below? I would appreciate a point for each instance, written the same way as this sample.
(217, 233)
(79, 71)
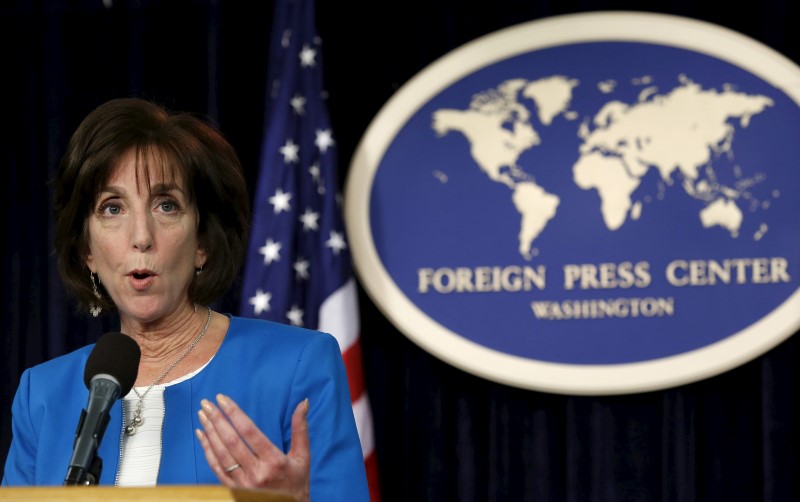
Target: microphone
(109, 374)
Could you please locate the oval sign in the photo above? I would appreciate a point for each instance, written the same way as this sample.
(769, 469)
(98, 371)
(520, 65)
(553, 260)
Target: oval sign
(598, 203)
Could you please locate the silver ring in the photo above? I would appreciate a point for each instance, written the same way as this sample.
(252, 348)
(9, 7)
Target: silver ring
(232, 468)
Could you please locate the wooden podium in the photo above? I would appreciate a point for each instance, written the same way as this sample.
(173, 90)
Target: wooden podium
(209, 493)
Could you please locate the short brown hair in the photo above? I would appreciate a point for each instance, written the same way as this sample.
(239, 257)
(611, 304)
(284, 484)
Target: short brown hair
(193, 149)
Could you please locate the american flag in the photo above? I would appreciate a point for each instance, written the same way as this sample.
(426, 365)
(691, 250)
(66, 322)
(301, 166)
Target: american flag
(298, 267)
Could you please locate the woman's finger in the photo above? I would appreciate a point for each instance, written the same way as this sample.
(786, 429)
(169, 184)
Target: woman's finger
(211, 458)
(225, 442)
(244, 426)
(300, 449)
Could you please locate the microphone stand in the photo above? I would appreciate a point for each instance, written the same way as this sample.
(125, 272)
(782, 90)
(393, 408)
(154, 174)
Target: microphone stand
(77, 475)
(85, 466)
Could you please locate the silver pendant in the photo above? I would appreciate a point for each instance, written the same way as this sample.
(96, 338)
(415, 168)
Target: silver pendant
(136, 422)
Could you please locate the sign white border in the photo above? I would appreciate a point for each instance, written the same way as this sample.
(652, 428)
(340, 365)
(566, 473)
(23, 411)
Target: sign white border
(662, 29)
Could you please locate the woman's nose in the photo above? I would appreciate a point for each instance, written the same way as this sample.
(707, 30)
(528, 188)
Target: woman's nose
(142, 236)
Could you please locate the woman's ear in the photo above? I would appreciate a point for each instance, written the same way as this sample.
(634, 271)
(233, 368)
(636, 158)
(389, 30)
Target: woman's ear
(200, 257)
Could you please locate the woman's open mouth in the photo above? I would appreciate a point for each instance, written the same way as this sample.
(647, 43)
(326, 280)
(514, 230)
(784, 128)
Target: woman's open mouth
(141, 279)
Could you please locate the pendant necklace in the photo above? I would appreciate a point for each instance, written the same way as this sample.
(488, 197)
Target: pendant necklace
(137, 419)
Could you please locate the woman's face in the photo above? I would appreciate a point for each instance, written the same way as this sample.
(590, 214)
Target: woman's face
(143, 242)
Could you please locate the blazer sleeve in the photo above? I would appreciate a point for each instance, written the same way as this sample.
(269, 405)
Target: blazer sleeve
(337, 462)
(20, 467)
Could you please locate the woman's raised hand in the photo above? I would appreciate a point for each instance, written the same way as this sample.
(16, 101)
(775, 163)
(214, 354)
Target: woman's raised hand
(243, 457)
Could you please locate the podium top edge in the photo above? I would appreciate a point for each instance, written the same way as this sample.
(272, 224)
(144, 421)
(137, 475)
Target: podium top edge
(201, 493)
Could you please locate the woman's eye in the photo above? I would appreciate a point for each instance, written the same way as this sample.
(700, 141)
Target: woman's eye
(169, 206)
(110, 209)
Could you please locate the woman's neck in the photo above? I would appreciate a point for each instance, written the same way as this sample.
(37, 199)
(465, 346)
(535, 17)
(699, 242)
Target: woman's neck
(162, 343)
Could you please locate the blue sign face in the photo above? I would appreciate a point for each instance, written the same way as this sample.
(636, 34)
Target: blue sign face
(618, 209)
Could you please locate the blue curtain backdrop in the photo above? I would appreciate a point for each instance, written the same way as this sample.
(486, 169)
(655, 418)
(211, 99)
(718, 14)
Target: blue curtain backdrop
(441, 434)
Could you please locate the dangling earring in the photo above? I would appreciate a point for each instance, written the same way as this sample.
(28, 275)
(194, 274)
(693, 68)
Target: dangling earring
(198, 271)
(95, 309)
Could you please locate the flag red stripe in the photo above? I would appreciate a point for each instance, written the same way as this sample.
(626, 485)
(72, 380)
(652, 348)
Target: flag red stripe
(355, 369)
(371, 464)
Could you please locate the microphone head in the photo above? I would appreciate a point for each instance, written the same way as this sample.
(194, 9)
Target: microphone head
(114, 354)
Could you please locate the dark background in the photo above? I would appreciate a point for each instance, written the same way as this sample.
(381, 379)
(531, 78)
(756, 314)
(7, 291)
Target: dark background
(441, 434)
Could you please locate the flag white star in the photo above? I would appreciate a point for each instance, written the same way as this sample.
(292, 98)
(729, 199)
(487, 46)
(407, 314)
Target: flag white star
(314, 171)
(271, 251)
(307, 56)
(280, 201)
(290, 152)
(298, 103)
(309, 220)
(295, 315)
(336, 242)
(324, 140)
(301, 268)
(260, 302)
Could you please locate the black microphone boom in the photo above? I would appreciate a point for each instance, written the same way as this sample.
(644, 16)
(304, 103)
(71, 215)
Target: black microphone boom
(109, 374)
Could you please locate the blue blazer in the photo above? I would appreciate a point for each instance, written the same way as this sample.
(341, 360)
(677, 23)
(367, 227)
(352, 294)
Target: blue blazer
(266, 367)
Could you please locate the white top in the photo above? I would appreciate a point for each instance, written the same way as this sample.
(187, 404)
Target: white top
(140, 455)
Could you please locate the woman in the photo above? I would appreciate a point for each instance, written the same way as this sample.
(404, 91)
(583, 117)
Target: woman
(152, 216)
